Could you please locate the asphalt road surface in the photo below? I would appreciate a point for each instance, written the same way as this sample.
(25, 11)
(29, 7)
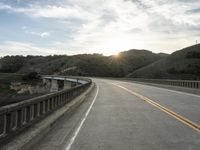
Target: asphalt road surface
(128, 116)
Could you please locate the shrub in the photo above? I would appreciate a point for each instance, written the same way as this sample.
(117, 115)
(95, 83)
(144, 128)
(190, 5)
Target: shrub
(32, 76)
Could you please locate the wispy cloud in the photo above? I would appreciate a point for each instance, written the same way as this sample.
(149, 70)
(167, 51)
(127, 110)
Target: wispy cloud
(40, 34)
(19, 48)
(49, 11)
(4, 7)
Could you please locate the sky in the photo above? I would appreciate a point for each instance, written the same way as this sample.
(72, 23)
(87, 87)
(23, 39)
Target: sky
(48, 27)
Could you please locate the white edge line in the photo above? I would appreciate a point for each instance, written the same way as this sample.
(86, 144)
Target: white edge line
(81, 123)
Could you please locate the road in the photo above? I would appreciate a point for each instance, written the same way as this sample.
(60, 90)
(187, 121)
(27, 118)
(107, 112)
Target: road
(128, 116)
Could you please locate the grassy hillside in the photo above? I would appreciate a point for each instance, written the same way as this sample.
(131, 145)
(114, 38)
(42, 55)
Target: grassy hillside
(85, 64)
(135, 59)
(182, 64)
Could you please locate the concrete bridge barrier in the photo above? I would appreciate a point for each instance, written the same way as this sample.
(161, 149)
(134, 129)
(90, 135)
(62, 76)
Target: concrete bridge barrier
(15, 117)
(182, 83)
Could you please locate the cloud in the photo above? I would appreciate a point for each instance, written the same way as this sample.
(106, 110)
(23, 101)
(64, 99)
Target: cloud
(187, 1)
(4, 6)
(197, 10)
(19, 48)
(49, 11)
(53, 12)
(141, 4)
(41, 34)
(114, 25)
(44, 34)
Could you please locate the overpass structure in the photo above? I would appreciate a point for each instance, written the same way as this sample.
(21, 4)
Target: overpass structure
(68, 81)
(126, 114)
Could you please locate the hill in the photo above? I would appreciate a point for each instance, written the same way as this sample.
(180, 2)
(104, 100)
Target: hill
(134, 59)
(182, 64)
(85, 64)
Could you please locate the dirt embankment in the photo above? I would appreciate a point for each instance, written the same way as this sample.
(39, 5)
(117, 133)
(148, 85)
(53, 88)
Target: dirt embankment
(12, 92)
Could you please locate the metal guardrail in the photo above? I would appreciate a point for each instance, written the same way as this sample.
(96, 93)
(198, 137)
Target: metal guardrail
(17, 116)
(181, 83)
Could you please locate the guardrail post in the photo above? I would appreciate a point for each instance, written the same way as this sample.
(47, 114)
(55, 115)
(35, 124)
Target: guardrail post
(24, 115)
(195, 84)
(14, 119)
(32, 112)
(59, 97)
(8, 123)
(59, 101)
(35, 108)
(48, 103)
(38, 109)
(54, 102)
(28, 114)
(3, 126)
(43, 107)
(19, 118)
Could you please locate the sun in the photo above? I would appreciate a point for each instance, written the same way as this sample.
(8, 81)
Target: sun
(117, 55)
(114, 46)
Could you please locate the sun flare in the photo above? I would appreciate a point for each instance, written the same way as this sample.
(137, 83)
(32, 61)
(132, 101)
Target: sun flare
(117, 55)
(114, 46)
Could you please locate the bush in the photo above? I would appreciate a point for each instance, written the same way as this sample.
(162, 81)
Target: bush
(172, 70)
(32, 76)
(11, 64)
(194, 55)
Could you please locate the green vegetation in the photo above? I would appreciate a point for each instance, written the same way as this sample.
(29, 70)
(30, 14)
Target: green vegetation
(5, 90)
(10, 77)
(31, 77)
(10, 64)
(85, 64)
(182, 64)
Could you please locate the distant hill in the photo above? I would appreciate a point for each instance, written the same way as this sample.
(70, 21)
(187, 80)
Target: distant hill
(182, 64)
(163, 54)
(134, 59)
(84, 64)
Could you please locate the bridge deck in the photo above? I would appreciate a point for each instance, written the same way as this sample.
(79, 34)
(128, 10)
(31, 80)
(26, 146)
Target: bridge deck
(120, 119)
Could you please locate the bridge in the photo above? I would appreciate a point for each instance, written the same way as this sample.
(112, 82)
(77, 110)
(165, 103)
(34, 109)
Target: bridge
(107, 114)
(68, 82)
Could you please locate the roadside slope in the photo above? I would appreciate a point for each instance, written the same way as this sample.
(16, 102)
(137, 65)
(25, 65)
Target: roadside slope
(182, 64)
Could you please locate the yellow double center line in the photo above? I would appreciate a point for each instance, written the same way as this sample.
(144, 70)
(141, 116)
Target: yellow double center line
(164, 109)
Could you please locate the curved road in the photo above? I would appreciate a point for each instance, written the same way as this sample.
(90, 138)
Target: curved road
(128, 116)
